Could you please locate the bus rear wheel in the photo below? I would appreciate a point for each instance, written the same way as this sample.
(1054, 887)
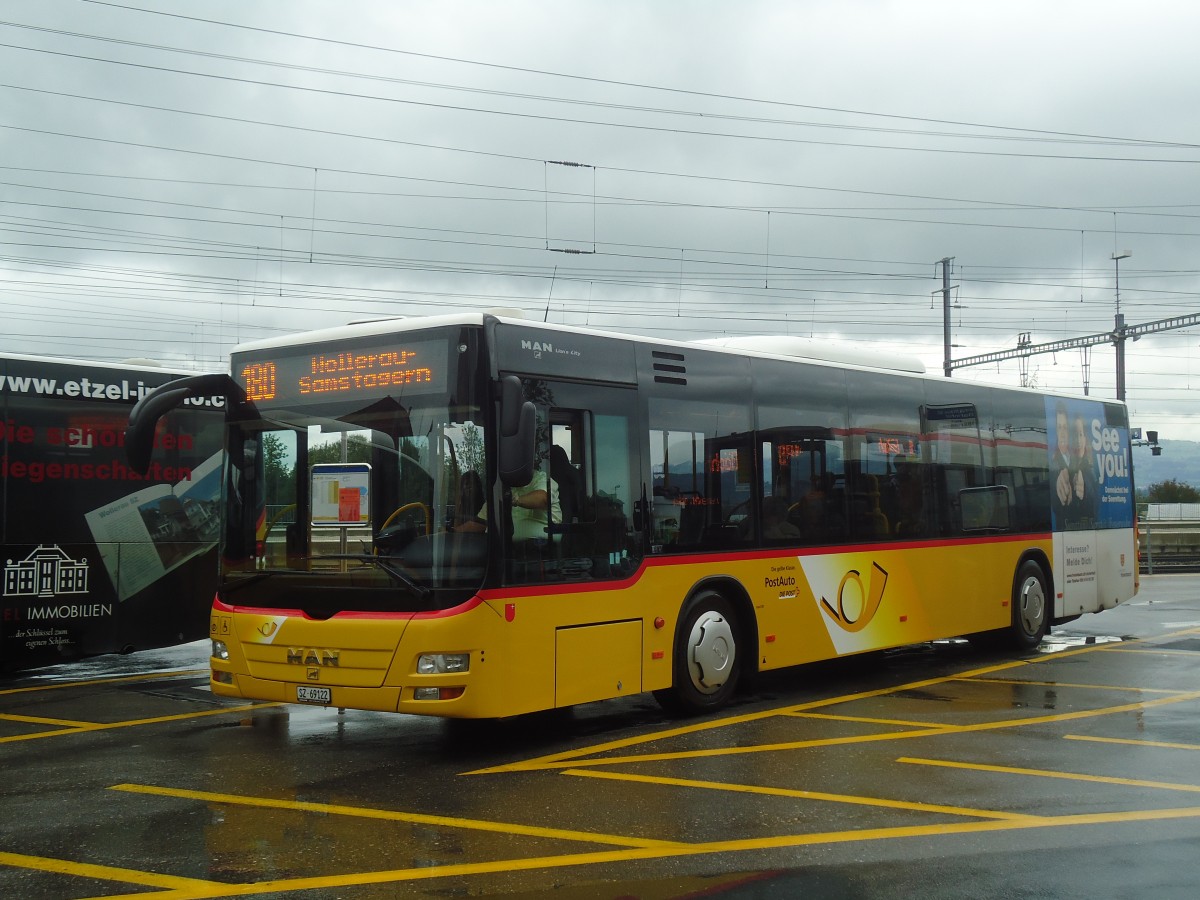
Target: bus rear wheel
(706, 665)
(1030, 607)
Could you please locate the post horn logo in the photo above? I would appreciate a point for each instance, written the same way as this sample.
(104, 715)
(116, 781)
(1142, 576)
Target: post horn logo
(857, 605)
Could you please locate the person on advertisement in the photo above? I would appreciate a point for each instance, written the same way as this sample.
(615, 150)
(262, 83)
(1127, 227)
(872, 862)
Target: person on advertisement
(1085, 484)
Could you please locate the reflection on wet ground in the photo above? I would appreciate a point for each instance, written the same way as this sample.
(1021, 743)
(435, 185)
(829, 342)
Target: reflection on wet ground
(1056, 643)
(180, 658)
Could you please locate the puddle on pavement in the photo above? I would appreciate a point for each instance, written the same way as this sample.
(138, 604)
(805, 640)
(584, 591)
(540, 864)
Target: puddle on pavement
(1056, 643)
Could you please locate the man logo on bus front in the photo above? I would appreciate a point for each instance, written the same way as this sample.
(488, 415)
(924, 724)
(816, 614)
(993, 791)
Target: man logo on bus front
(867, 601)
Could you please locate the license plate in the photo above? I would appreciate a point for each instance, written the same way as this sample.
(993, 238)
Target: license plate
(307, 694)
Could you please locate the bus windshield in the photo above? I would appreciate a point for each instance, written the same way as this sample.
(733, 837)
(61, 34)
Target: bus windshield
(356, 501)
(384, 518)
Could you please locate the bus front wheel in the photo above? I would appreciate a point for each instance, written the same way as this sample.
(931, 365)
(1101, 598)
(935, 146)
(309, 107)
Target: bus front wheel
(1031, 609)
(706, 665)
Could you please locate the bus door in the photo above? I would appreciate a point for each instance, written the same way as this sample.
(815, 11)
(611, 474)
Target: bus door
(575, 520)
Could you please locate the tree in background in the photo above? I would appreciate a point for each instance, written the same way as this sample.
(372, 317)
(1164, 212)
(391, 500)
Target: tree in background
(470, 450)
(1172, 491)
(278, 468)
(358, 450)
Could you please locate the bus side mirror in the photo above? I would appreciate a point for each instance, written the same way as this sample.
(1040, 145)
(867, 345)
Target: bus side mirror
(518, 426)
(144, 417)
(143, 422)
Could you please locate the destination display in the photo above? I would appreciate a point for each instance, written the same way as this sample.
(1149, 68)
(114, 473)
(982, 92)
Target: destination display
(320, 373)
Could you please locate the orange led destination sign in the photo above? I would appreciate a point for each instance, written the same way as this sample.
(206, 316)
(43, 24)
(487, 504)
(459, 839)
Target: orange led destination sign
(355, 371)
(319, 373)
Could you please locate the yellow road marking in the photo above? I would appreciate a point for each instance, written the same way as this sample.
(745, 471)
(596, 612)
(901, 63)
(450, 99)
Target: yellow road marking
(1130, 647)
(579, 757)
(1076, 685)
(574, 757)
(363, 812)
(105, 873)
(1048, 773)
(804, 795)
(42, 720)
(129, 723)
(665, 850)
(1080, 714)
(866, 720)
(1168, 745)
(205, 891)
(719, 751)
(123, 679)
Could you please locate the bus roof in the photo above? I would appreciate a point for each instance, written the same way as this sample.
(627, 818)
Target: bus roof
(776, 346)
(769, 345)
(128, 365)
(819, 351)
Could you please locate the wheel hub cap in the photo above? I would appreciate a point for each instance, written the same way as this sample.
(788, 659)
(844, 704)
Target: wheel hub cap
(712, 653)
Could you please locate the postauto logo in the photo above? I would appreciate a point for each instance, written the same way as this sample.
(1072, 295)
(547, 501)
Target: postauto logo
(857, 603)
(849, 593)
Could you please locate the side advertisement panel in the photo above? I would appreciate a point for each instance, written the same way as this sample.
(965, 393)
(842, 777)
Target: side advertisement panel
(97, 559)
(1092, 504)
(1091, 485)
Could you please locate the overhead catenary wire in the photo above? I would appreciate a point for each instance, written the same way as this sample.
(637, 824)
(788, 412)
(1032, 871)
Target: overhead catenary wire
(715, 278)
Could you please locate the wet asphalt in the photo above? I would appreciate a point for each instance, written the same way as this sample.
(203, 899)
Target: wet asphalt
(937, 771)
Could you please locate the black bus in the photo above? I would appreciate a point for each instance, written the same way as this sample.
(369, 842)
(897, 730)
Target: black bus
(98, 558)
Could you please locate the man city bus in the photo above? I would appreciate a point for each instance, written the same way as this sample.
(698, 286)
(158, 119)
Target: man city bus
(475, 515)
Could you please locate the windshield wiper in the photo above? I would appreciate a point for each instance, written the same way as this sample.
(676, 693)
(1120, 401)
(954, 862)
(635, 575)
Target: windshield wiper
(397, 573)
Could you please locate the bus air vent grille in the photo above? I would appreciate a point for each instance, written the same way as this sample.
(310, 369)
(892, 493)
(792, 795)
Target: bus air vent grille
(674, 363)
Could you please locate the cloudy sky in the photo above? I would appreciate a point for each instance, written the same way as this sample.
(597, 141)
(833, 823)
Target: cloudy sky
(176, 177)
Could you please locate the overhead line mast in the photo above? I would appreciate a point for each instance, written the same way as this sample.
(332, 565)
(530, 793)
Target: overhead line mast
(1120, 333)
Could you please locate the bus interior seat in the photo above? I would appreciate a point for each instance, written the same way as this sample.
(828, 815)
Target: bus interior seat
(869, 519)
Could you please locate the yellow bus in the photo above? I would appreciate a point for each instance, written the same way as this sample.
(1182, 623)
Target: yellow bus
(477, 515)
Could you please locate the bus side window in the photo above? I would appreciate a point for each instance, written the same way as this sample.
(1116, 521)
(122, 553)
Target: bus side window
(800, 473)
(704, 474)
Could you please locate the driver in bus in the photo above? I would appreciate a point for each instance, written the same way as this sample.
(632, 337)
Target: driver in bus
(532, 507)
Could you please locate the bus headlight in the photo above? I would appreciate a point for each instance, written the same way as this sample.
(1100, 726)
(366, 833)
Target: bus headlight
(220, 651)
(439, 663)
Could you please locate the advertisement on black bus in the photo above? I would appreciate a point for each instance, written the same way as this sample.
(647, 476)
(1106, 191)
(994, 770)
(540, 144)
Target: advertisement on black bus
(98, 558)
